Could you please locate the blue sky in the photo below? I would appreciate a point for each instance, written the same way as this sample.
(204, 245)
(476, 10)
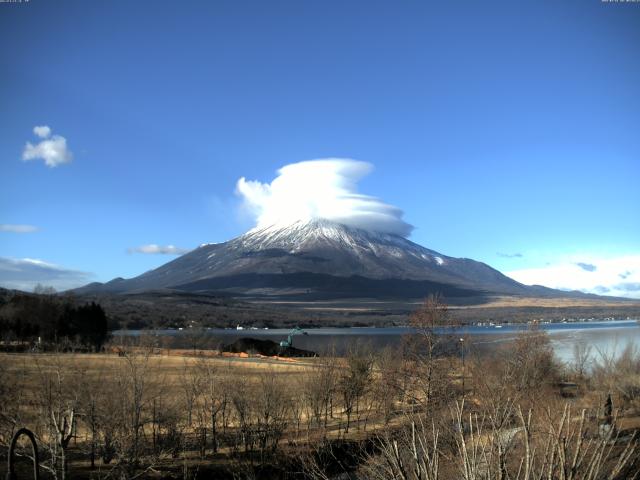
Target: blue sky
(507, 132)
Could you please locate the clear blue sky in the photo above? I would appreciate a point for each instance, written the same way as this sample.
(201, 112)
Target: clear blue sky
(498, 127)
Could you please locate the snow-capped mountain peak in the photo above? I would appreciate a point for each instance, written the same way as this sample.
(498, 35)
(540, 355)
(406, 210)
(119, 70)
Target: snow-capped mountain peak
(302, 232)
(317, 254)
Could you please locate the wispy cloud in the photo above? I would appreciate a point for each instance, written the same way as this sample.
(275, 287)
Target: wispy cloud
(509, 255)
(590, 274)
(153, 249)
(321, 189)
(52, 148)
(14, 228)
(628, 286)
(25, 273)
(587, 267)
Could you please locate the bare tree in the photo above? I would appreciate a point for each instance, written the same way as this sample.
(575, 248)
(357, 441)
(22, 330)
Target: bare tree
(413, 454)
(242, 403)
(430, 380)
(58, 399)
(388, 386)
(618, 373)
(94, 390)
(191, 386)
(581, 359)
(536, 447)
(132, 377)
(11, 397)
(213, 388)
(355, 380)
(272, 411)
(44, 290)
(531, 361)
(297, 403)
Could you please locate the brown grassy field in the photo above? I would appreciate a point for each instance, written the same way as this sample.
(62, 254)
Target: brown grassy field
(146, 412)
(512, 301)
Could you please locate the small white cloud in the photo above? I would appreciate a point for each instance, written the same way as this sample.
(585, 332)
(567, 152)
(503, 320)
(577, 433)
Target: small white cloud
(509, 255)
(52, 149)
(42, 131)
(8, 227)
(618, 277)
(153, 249)
(320, 189)
(26, 273)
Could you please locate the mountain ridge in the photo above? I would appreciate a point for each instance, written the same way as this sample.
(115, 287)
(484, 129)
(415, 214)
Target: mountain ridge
(281, 260)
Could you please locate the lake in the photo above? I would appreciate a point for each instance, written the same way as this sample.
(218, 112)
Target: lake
(608, 337)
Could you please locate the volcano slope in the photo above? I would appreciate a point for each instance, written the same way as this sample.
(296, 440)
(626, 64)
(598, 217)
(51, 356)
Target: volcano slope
(322, 267)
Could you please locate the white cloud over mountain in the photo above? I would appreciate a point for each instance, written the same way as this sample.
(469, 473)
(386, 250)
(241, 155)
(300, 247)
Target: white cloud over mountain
(25, 273)
(153, 249)
(325, 189)
(619, 277)
(52, 148)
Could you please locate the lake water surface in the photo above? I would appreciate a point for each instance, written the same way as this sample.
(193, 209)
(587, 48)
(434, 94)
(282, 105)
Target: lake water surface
(605, 337)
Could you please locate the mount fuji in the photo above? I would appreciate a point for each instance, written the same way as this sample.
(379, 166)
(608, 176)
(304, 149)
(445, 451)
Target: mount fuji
(321, 259)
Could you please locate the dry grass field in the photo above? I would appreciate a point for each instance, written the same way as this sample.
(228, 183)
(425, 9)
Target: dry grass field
(512, 301)
(148, 412)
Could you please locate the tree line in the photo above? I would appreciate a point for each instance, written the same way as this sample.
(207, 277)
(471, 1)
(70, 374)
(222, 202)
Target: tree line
(47, 320)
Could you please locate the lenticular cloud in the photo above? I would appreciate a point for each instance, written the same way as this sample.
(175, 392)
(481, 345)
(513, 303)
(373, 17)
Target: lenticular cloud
(321, 189)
